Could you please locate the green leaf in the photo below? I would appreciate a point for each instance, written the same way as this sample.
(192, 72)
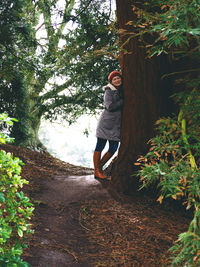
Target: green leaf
(2, 198)
(20, 232)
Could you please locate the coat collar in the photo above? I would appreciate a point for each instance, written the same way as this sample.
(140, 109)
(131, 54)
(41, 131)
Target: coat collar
(112, 87)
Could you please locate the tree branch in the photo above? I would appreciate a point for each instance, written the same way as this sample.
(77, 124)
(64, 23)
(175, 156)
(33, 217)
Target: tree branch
(57, 89)
(60, 101)
(178, 72)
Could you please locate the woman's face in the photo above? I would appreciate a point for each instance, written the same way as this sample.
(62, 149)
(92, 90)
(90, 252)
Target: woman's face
(117, 81)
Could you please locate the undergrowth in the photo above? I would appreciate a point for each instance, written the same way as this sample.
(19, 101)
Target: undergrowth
(173, 159)
(15, 207)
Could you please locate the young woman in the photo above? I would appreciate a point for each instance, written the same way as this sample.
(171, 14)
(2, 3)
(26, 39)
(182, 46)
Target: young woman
(108, 128)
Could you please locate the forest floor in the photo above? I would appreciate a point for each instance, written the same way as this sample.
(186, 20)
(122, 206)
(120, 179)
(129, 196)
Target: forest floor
(79, 221)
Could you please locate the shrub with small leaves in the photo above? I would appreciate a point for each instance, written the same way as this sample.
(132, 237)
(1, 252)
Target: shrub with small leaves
(173, 164)
(15, 208)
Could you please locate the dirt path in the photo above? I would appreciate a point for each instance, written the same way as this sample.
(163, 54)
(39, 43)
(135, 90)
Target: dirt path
(78, 223)
(60, 236)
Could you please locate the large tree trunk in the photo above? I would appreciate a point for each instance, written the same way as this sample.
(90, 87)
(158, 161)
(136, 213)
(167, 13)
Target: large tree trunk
(143, 92)
(25, 131)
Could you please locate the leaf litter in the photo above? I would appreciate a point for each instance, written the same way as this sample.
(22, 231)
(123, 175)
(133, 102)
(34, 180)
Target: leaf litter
(116, 231)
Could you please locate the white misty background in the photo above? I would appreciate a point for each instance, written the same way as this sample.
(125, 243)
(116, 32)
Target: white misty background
(73, 144)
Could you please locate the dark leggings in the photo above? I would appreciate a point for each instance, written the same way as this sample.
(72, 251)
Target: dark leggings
(113, 145)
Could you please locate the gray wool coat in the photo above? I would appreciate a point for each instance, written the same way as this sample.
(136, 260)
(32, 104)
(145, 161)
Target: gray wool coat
(109, 123)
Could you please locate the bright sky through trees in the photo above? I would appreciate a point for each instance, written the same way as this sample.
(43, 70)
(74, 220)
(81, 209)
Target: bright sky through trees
(69, 143)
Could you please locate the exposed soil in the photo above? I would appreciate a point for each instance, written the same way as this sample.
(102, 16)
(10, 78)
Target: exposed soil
(79, 221)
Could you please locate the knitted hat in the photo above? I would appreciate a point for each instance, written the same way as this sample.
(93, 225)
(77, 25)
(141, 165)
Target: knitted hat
(113, 74)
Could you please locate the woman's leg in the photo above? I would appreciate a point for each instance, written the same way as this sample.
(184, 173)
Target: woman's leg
(113, 145)
(100, 144)
(97, 157)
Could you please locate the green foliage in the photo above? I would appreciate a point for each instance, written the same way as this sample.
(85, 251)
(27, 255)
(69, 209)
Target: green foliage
(16, 46)
(168, 159)
(16, 209)
(172, 163)
(187, 248)
(78, 62)
(16, 39)
(178, 22)
(169, 25)
(49, 65)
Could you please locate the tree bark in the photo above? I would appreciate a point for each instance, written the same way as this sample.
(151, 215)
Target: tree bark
(25, 131)
(143, 96)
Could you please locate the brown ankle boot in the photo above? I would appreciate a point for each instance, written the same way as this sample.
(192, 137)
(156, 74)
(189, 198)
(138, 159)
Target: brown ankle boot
(97, 171)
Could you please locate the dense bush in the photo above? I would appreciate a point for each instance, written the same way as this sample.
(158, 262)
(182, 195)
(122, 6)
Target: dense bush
(15, 207)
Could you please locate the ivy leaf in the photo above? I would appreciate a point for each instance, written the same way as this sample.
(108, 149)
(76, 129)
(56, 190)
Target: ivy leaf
(2, 198)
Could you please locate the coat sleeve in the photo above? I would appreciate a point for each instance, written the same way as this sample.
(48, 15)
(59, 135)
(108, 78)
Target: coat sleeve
(111, 103)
